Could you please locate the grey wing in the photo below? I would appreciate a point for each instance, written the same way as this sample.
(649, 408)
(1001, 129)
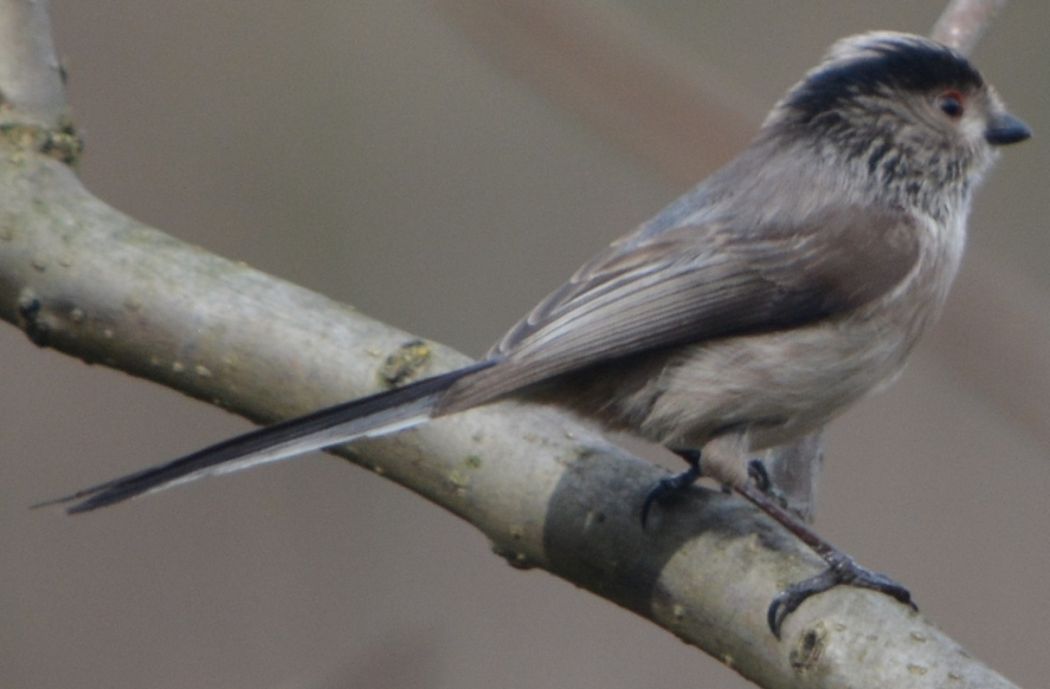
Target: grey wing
(695, 283)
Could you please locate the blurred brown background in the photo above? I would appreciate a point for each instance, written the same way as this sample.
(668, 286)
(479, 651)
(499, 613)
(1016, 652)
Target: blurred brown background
(391, 155)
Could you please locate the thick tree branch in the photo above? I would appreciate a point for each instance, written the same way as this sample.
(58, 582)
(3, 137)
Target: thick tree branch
(84, 279)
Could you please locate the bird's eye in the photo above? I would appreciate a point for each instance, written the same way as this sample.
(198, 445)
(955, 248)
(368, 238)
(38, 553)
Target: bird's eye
(951, 104)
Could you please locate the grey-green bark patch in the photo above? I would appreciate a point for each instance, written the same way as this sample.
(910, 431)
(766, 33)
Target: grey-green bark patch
(405, 364)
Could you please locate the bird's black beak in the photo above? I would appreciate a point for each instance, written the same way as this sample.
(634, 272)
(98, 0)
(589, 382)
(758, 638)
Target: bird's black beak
(1003, 128)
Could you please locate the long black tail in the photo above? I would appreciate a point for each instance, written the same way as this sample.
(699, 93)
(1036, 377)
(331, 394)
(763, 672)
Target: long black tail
(376, 415)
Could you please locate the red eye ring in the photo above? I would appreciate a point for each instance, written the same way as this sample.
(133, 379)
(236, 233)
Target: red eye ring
(951, 104)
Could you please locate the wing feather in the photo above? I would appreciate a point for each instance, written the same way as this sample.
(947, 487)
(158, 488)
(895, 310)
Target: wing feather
(696, 283)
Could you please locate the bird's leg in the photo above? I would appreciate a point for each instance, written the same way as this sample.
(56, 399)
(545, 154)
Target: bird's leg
(842, 569)
(674, 485)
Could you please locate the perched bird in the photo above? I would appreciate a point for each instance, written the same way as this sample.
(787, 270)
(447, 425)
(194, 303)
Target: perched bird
(787, 285)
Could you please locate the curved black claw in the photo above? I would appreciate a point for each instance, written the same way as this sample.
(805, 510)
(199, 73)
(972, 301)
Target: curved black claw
(845, 571)
(670, 487)
(758, 473)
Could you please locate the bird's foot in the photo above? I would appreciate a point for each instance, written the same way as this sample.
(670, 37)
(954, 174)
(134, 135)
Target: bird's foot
(759, 490)
(672, 486)
(842, 570)
(759, 475)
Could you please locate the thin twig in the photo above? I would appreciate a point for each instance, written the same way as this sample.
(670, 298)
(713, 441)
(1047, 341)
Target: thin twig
(963, 22)
(30, 75)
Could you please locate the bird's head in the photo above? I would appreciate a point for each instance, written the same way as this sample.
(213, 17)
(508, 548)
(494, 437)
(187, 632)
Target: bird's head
(912, 113)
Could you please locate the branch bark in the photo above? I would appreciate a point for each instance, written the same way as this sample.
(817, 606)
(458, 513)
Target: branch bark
(84, 279)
